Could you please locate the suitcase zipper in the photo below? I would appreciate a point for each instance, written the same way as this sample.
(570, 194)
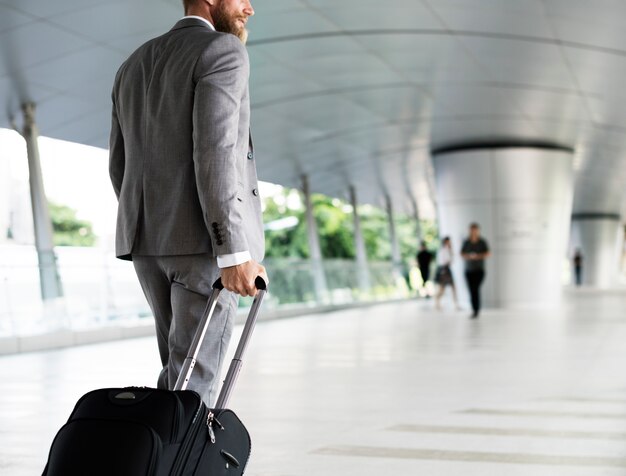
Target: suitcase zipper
(179, 416)
(155, 453)
(190, 438)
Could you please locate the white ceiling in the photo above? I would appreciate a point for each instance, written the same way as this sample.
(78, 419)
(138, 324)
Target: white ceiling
(360, 91)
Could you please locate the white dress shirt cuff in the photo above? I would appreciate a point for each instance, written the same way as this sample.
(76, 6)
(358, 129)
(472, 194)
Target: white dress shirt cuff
(226, 261)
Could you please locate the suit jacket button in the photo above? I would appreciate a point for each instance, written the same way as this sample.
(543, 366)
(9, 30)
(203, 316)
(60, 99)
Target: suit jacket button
(214, 225)
(250, 156)
(255, 192)
(219, 242)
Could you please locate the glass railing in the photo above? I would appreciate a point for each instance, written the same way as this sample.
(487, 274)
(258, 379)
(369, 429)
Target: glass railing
(100, 290)
(293, 283)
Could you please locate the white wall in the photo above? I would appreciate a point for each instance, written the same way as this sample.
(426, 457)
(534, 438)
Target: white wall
(522, 198)
(600, 241)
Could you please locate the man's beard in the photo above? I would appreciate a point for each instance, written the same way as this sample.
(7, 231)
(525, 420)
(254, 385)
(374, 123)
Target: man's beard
(229, 24)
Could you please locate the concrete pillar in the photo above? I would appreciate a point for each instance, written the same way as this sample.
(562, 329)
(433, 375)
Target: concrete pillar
(317, 266)
(5, 198)
(623, 253)
(416, 217)
(359, 245)
(48, 272)
(598, 236)
(522, 198)
(396, 259)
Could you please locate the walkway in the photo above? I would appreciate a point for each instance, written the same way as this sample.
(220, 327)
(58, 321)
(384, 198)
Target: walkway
(393, 389)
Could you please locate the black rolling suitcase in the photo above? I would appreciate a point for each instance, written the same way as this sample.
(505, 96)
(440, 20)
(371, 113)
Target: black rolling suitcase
(150, 432)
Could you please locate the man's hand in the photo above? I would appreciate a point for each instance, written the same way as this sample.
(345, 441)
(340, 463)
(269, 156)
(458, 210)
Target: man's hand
(240, 279)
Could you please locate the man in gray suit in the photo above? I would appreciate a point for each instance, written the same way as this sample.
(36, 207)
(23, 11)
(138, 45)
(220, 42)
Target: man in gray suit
(183, 169)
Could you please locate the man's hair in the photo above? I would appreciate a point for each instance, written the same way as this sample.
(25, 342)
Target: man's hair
(474, 225)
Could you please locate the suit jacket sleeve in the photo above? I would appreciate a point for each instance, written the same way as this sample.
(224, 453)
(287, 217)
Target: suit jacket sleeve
(221, 76)
(116, 153)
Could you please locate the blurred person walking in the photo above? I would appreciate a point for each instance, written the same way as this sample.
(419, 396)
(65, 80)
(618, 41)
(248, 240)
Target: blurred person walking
(181, 164)
(578, 266)
(475, 250)
(443, 275)
(424, 259)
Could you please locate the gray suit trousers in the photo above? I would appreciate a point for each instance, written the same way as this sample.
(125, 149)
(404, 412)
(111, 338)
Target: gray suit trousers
(177, 289)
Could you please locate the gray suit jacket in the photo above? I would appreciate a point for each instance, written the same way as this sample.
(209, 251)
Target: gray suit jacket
(181, 158)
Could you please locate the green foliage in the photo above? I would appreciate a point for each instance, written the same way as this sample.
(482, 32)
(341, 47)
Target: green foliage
(430, 234)
(69, 230)
(336, 229)
(288, 242)
(375, 226)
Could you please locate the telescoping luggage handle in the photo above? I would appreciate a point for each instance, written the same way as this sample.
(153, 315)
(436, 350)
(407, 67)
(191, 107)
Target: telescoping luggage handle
(235, 365)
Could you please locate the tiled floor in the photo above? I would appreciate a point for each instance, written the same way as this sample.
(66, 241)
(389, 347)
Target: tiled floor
(391, 390)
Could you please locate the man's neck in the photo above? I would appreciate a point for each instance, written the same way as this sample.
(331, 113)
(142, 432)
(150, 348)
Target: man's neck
(209, 24)
(203, 13)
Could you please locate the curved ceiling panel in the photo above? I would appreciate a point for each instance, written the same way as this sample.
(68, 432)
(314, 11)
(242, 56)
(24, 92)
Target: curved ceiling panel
(359, 91)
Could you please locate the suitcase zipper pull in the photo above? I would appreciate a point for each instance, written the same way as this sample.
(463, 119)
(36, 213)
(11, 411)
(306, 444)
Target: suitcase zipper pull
(209, 424)
(211, 434)
(210, 420)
